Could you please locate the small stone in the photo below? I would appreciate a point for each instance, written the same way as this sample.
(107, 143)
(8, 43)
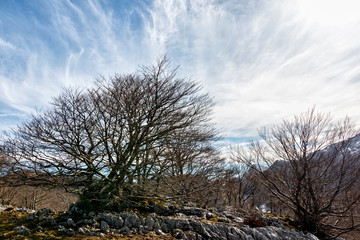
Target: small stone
(113, 220)
(238, 220)
(165, 227)
(86, 221)
(149, 223)
(224, 220)
(70, 222)
(178, 234)
(51, 221)
(191, 235)
(104, 227)
(83, 230)
(125, 230)
(80, 222)
(71, 231)
(39, 229)
(115, 232)
(99, 235)
(145, 231)
(159, 232)
(161, 209)
(31, 211)
(62, 228)
(171, 223)
(91, 214)
(210, 215)
(9, 208)
(157, 225)
(22, 229)
(131, 221)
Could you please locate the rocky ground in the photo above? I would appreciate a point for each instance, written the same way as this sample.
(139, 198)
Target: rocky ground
(161, 221)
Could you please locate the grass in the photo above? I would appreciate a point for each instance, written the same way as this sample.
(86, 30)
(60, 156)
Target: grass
(9, 219)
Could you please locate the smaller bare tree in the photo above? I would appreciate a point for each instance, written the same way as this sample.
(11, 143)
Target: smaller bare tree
(310, 165)
(192, 165)
(239, 187)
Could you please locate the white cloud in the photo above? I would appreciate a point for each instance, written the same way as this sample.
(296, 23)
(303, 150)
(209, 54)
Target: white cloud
(267, 60)
(6, 45)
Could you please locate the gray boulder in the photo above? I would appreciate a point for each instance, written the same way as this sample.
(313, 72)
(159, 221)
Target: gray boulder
(162, 210)
(125, 230)
(104, 227)
(70, 222)
(200, 212)
(131, 220)
(113, 220)
(149, 223)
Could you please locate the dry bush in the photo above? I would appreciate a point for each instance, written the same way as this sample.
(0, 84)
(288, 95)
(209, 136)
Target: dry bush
(254, 222)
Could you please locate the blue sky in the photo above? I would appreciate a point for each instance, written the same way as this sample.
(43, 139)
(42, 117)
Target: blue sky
(262, 61)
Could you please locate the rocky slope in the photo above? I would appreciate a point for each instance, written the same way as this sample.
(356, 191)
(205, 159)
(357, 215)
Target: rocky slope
(163, 220)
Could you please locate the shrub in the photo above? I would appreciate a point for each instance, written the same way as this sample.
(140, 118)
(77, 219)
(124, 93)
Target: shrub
(254, 222)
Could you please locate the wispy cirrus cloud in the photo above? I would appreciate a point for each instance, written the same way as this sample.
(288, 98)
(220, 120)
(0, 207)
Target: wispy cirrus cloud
(50, 45)
(261, 60)
(264, 61)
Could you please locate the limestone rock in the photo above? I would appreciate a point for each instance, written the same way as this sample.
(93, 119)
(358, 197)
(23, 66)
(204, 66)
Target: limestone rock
(70, 222)
(200, 212)
(149, 223)
(131, 220)
(114, 221)
(83, 230)
(22, 229)
(125, 230)
(178, 234)
(162, 210)
(224, 220)
(104, 227)
(159, 232)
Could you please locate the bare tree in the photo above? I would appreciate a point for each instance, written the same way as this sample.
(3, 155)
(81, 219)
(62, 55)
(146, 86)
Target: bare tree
(192, 165)
(239, 187)
(105, 141)
(310, 165)
(4, 163)
(6, 193)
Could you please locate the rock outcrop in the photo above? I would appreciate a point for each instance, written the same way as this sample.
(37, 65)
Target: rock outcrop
(180, 222)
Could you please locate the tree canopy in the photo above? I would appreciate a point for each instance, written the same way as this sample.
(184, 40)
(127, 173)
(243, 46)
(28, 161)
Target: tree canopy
(111, 140)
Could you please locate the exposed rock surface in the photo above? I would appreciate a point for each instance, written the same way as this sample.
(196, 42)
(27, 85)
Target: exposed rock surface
(182, 223)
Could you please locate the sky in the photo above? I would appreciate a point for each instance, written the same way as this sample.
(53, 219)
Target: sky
(261, 61)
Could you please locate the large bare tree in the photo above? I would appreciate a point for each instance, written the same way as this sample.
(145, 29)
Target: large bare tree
(107, 141)
(310, 164)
